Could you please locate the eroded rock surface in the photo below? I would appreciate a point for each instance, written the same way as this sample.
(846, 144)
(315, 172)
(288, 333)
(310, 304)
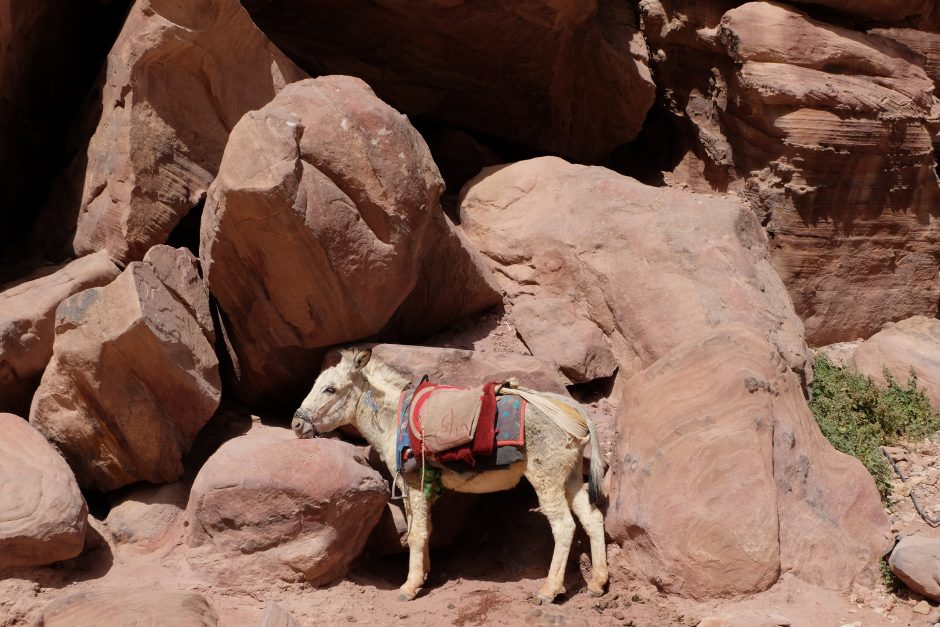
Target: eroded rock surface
(179, 77)
(604, 272)
(42, 514)
(830, 134)
(323, 238)
(567, 77)
(120, 607)
(900, 347)
(717, 431)
(269, 505)
(27, 323)
(916, 562)
(132, 379)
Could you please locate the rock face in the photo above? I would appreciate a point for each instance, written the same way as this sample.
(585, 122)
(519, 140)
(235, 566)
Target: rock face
(179, 77)
(133, 377)
(27, 323)
(901, 346)
(567, 77)
(784, 106)
(146, 517)
(469, 368)
(348, 197)
(267, 504)
(628, 270)
(42, 515)
(121, 607)
(916, 562)
(718, 431)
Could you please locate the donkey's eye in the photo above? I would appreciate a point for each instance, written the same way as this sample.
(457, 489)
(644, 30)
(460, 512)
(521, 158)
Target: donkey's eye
(329, 390)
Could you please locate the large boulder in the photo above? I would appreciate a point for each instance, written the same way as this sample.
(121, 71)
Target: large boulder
(916, 562)
(628, 271)
(147, 517)
(781, 107)
(42, 514)
(119, 607)
(27, 323)
(567, 77)
(320, 239)
(268, 504)
(179, 77)
(133, 378)
(912, 344)
(721, 479)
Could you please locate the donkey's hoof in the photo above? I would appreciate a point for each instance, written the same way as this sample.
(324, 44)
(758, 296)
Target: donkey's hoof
(544, 599)
(404, 596)
(594, 593)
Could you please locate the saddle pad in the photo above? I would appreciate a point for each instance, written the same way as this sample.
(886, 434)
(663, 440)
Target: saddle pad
(445, 416)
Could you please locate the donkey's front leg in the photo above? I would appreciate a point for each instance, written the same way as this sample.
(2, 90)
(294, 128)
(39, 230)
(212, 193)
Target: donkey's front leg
(419, 532)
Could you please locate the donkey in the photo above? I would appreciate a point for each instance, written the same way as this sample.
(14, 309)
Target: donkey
(364, 392)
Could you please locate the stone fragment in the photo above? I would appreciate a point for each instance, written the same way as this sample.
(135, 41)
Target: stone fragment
(42, 514)
(322, 240)
(916, 562)
(178, 78)
(120, 607)
(911, 344)
(132, 380)
(27, 323)
(716, 431)
(604, 272)
(270, 505)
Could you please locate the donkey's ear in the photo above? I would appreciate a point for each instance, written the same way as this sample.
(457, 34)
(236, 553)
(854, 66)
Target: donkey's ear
(362, 358)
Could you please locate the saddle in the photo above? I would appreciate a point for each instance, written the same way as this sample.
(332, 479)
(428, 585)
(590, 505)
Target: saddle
(458, 427)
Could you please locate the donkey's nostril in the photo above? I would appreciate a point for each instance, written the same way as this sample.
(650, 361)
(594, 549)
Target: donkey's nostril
(297, 424)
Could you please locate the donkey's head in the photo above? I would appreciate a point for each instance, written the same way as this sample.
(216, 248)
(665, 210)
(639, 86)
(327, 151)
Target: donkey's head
(333, 400)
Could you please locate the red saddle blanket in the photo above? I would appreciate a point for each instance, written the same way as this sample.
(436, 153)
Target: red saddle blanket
(453, 423)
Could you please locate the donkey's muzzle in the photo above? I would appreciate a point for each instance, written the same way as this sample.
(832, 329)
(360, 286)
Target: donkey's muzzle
(302, 427)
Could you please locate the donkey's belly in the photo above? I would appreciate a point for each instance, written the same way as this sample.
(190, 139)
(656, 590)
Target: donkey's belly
(485, 481)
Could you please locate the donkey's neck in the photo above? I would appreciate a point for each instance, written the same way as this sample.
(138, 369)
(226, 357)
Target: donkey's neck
(378, 410)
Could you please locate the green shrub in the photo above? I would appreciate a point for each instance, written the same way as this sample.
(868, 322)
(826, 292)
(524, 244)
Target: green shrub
(858, 416)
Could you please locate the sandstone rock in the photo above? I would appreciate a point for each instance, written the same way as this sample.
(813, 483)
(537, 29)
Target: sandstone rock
(27, 321)
(721, 479)
(782, 106)
(901, 346)
(42, 514)
(921, 42)
(147, 516)
(267, 504)
(348, 197)
(627, 271)
(469, 368)
(179, 77)
(916, 562)
(121, 607)
(276, 616)
(839, 353)
(179, 271)
(567, 77)
(131, 381)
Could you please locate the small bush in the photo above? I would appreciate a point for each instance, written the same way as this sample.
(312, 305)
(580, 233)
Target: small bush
(858, 416)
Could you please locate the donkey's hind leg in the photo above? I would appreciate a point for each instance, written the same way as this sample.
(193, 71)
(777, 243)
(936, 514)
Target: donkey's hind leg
(419, 533)
(593, 522)
(554, 504)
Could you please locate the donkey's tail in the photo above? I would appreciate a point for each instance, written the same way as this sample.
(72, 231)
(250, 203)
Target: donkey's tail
(596, 476)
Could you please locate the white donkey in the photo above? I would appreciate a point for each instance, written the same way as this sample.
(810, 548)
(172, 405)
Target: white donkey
(364, 392)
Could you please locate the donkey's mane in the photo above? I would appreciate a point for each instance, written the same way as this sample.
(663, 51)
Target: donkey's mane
(377, 369)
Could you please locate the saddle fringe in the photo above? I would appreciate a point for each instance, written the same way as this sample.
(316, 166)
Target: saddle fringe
(566, 417)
